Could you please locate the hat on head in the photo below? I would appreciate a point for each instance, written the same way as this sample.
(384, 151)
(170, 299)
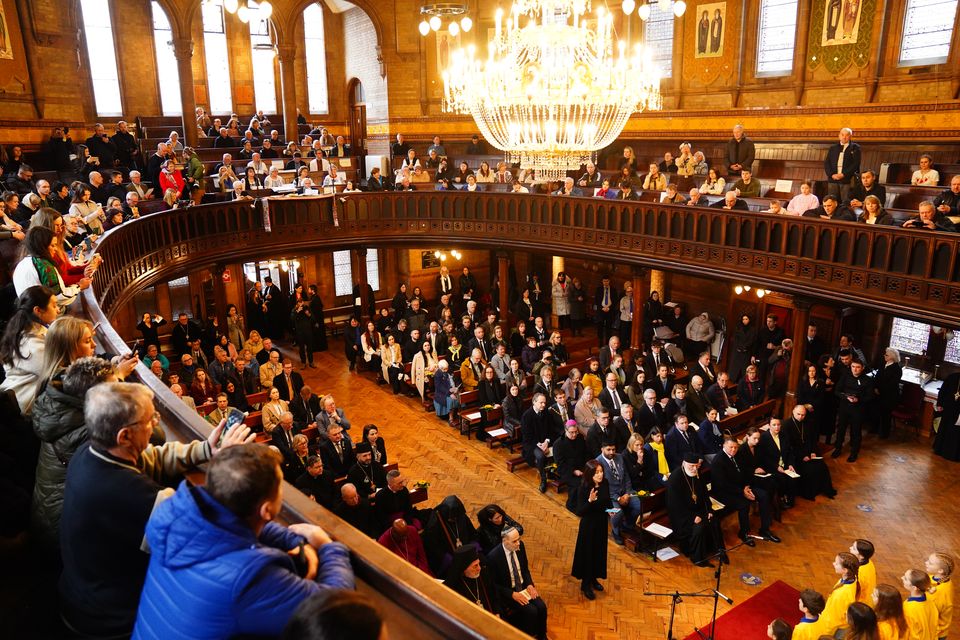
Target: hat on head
(691, 458)
(363, 447)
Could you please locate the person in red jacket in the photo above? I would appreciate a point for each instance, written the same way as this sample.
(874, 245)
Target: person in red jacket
(170, 178)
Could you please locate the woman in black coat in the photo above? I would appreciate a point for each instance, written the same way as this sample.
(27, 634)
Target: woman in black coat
(947, 442)
(371, 434)
(743, 349)
(887, 389)
(512, 408)
(493, 520)
(149, 328)
(750, 390)
(811, 394)
(652, 316)
(828, 375)
(590, 555)
(641, 464)
(400, 303)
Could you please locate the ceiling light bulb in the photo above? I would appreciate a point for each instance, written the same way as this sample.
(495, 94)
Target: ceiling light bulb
(664, 4)
(628, 6)
(424, 27)
(738, 289)
(435, 23)
(644, 11)
(231, 5)
(746, 287)
(266, 9)
(243, 13)
(454, 29)
(466, 24)
(760, 293)
(679, 8)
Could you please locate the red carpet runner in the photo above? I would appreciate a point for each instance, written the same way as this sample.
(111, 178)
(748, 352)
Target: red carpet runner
(749, 620)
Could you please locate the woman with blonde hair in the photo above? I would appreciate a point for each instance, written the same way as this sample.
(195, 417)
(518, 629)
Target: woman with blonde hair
(254, 342)
(629, 160)
(296, 464)
(272, 410)
(586, 410)
(874, 213)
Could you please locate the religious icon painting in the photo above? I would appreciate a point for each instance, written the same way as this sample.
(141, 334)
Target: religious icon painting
(6, 44)
(841, 22)
(711, 19)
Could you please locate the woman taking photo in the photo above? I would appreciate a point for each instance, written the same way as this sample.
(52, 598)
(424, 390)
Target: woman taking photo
(235, 326)
(590, 554)
(91, 213)
(38, 267)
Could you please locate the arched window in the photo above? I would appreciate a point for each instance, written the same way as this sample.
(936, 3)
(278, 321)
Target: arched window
(218, 62)
(167, 72)
(658, 37)
(98, 32)
(262, 53)
(927, 30)
(316, 59)
(343, 271)
(777, 37)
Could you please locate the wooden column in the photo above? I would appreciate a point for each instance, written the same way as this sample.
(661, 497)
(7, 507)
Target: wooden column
(183, 51)
(361, 278)
(801, 318)
(286, 54)
(636, 328)
(503, 272)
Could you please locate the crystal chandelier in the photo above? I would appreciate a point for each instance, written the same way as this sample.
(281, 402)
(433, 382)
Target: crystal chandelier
(554, 89)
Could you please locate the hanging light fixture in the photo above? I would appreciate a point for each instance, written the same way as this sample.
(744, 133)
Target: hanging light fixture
(553, 92)
(466, 24)
(435, 14)
(678, 7)
(424, 27)
(231, 5)
(243, 14)
(266, 9)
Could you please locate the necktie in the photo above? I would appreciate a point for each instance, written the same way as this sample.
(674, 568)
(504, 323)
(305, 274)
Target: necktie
(515, 570)
(606, 296)
(339, 447)
(685, 437)
(616, 399)
(735, 465)
(289, 387)
(563, 413)
(614, 471)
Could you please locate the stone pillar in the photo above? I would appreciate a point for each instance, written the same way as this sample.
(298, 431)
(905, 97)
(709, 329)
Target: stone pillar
(801, 318)
(362, 280)
(503, 271)
(636, 328)
(183, 51)
(403, 264)
(286, 54)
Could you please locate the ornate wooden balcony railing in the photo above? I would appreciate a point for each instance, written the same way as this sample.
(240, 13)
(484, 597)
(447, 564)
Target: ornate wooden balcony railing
(913, 274)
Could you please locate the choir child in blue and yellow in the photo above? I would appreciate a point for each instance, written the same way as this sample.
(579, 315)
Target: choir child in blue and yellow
(939, 567)
(811, 625)
(844, 593)
(920, 611)
(867, 574)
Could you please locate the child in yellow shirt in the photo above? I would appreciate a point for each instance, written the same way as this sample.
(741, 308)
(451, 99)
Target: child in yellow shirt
(867, 575)
(844, 593)
(811, 625)
(940, 567)
(920, 612)
(891, 624)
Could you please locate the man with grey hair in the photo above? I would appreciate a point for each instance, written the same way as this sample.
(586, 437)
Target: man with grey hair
(136, 186)
(512, 580)
(842, 164)
(187, 400)
(740, 151)
(131, 207)
(569, 188)
(112, 487)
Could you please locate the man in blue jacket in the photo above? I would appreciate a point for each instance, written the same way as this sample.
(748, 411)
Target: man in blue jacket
(219, 567)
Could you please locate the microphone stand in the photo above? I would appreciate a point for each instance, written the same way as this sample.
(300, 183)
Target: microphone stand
(721, 557)
(676, 597)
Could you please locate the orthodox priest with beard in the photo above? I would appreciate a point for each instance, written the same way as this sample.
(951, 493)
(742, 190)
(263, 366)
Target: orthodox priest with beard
(691, 515)
(471, 580)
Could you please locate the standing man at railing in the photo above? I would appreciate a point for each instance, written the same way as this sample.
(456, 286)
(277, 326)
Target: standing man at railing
(740, 151)
(842, 165)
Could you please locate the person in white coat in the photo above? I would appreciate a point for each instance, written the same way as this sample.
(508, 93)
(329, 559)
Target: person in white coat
(560, 299)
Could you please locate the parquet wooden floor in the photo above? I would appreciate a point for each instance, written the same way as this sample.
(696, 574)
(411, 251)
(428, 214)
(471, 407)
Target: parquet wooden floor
(912, 494)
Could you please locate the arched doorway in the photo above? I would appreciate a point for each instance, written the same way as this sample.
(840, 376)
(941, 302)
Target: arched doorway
(357, 118)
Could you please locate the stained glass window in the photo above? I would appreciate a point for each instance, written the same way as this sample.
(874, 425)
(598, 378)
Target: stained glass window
(908, 336)
(927, 30)
(777, 37)
(658, 30)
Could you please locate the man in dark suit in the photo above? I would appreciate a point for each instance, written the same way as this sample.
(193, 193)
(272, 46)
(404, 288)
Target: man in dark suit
(319, 484)
(337, 452)
(657, 356)
(289, 382)
(718, 395)
(184, 332)
(570, 454)
(612, 398)
(535, 437)
(663, 383)
(199, 357)
(626, 422)
(340, 150)
(813, 346)
(559, 412)
(730, 485)
(524, 607)
(830, 209)
(697, 401)
(304, 409)
(703, 367)
(622, 492)
(868, 187)
(842, 164)
(602, 430)
(606, 353)
(282, 439)
(479, 341)
(679, 441)
(605, 299)
(650, 414)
